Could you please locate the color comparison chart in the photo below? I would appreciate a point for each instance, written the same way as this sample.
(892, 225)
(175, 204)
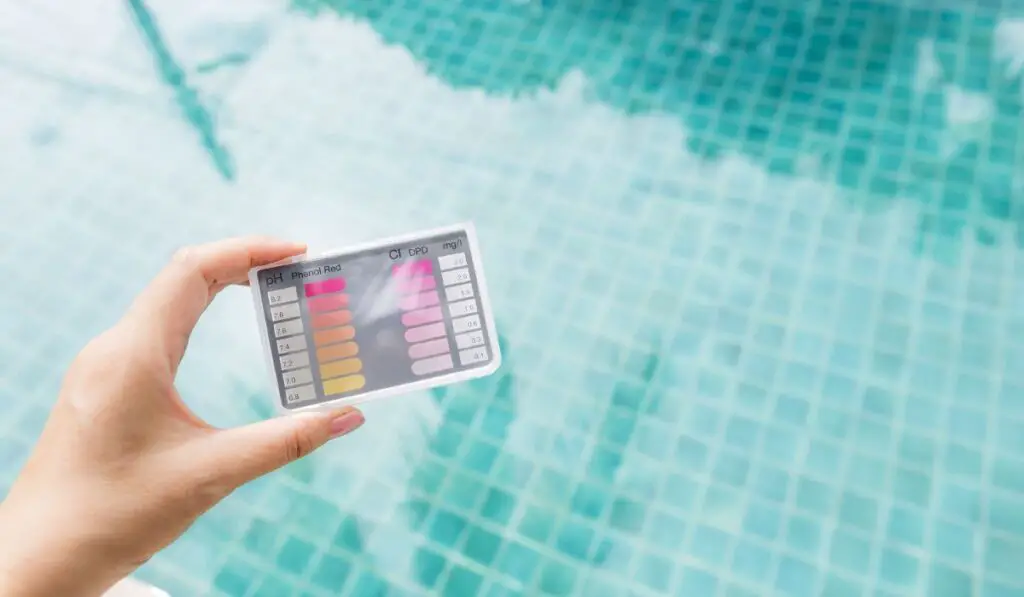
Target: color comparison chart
(375, 320)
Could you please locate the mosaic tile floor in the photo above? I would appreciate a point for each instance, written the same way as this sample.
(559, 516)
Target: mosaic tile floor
(756, 266)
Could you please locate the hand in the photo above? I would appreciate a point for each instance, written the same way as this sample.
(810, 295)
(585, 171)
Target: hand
(123, 467)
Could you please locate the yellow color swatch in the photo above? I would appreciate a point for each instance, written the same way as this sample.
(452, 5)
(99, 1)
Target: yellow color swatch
(339, 368)
(344, 384)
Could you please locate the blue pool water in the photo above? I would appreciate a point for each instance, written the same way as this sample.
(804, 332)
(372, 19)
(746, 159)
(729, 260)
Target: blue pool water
(756, 265)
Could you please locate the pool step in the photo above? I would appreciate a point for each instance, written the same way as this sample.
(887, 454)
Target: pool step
(130, 587)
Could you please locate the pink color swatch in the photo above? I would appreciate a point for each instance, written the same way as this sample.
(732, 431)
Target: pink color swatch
(429, 349)
(325, 286)
(418, 301)
(432, 365)
(421, 316)
(416, 284)
(413, 268)
(330, 302)
(425, 332)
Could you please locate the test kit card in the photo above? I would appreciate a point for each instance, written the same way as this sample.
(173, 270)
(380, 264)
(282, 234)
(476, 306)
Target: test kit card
(376, 320)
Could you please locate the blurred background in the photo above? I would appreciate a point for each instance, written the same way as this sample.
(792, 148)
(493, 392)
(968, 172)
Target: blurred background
(756, 267)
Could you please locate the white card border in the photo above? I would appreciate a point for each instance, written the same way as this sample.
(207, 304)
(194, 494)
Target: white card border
(442, 380)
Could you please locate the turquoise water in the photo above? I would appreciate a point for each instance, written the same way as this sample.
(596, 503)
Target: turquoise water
(756, 268)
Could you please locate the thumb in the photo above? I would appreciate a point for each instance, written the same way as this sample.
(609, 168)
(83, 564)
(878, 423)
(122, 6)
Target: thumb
(246, 453)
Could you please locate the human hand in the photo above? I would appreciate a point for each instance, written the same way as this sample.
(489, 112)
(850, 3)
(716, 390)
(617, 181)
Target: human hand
(123, 467)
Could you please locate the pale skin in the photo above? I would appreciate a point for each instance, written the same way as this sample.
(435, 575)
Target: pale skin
(123, 467)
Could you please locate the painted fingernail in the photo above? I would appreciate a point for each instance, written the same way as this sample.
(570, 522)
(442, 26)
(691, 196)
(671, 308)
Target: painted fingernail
(346, 422)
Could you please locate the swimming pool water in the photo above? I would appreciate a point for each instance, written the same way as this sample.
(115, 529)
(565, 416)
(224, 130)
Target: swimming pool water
(756, 266)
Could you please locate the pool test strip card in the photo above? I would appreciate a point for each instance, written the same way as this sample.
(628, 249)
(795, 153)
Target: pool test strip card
(376, 320)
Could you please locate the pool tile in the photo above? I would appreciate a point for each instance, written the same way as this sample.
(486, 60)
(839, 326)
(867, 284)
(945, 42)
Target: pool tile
(518, 561)
(655, 572)
(879, 402)
(751, 561)
(731, 469)
(513, 470)
(814, 496)
(959, 504)
(349, 535)
(739, 591)
(654, 441)
(963, 461)
(858, 511)
(428, 567)
(913, 487)
(500, 590)
(480, 457)
(331, 572)
(604, 463)
(691, 454)
(627, 515)
(556, 578)
(601, 587)
(462, 492)
(447, 528)
(796, 577)
(771, 483)
(262, 536)
(553, 483)
(838, 586)
(461, 581)
(666, 530)
(905, 526)
(295, 555)
(850, 552)
(680, 491)
(916, 451)
(780, 444)
(999, 589)
(271, 586)
(481, 545)
(742, 433)
(944, 581)
(803, 535)
(710, 545)
(898, 568)
(1008, 474)
(792, 409)
(309, 512)
(235, 578)
(1007, 430)
(429, 476)
(590, 500)
(497, 506)
(1003, 556)
(763, 521)
(696, 582)
(969, 425)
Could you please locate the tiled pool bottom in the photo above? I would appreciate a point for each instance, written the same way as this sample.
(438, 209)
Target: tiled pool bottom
(756, 268)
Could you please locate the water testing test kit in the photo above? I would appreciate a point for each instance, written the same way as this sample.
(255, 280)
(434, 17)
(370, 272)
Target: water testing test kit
(376, 320)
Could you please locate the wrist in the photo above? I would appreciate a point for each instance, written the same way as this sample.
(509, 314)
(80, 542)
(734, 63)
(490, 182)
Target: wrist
(42, 556)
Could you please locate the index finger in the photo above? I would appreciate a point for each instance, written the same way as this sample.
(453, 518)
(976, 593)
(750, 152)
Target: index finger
(170, 307)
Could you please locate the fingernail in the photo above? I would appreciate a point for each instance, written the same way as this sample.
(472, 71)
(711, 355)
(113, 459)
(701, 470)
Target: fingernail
(346, 422)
